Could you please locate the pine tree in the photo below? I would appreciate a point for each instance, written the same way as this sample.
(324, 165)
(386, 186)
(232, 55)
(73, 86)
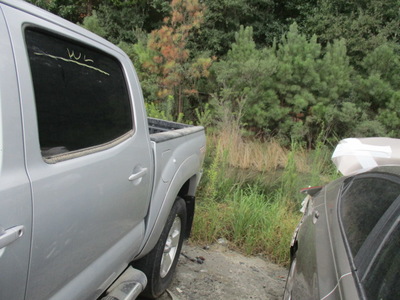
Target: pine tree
(176, 68)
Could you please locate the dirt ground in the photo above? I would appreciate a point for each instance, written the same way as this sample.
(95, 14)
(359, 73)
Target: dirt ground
(224, 274)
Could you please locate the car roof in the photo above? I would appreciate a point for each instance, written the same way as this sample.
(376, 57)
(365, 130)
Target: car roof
(392, 169)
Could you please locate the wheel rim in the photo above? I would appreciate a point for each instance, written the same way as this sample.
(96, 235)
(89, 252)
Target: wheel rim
(170, 247)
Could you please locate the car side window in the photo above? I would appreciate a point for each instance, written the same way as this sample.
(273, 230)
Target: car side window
(362, 204)
(81, 96)
(383, 280)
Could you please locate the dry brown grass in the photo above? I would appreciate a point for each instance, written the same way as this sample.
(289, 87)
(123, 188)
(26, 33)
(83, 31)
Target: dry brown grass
(253, 154)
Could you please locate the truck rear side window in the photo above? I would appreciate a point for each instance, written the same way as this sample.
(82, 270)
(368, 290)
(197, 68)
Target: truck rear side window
(81, 96)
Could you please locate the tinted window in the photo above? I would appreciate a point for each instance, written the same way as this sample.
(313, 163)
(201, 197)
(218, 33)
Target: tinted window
(362, 205)
(81, 95)
(383, 281)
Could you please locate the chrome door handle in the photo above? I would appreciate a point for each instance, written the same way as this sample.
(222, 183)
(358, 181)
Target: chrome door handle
(10, 235)
(140, 174)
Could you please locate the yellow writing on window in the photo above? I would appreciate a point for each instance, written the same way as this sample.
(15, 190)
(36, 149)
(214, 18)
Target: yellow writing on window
(71, 54)
(74, 58)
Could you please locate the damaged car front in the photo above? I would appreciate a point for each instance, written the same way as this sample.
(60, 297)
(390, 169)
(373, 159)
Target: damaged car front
(346, 245)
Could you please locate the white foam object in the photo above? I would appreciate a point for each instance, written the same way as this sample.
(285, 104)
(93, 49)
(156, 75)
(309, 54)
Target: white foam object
(357, 155)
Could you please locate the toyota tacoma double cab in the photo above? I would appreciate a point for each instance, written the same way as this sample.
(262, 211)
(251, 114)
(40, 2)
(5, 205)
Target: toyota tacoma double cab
(95, 198)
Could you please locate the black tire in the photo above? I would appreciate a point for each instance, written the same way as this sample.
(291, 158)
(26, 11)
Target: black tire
(158, 265)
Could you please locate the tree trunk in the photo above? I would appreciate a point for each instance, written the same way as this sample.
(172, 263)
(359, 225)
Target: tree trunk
(180, 100)
(89, 7)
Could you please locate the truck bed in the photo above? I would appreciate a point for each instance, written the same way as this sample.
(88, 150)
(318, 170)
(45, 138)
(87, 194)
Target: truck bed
(161, 130)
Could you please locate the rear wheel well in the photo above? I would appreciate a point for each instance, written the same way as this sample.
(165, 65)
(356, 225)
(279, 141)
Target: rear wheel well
(184, 189)
(190, 204)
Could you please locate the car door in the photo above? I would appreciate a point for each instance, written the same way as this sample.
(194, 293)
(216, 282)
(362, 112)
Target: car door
(378, 259)
(88, 156)
(382, 281)
(369, 213)
(15, 195)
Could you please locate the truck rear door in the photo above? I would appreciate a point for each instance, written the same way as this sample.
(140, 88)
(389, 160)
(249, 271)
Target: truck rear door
(88, 156)
(15, 195)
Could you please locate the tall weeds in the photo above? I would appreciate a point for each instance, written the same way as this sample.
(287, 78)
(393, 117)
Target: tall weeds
(249, 193)
(254, 155)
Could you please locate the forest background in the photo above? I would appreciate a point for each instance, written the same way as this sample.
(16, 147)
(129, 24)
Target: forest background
(276, 84)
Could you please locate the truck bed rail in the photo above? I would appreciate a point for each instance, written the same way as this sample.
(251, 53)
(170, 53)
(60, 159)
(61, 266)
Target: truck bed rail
(161, 130)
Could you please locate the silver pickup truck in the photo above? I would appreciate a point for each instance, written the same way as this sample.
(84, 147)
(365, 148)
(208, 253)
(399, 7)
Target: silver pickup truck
(95, 198)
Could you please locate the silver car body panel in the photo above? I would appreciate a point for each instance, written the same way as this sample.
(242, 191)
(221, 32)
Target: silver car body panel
(15, 192)
(84, 220)
(76, 199)
(173, 168)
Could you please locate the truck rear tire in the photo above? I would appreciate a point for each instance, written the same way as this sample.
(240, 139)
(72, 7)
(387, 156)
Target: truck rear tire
(160, 263)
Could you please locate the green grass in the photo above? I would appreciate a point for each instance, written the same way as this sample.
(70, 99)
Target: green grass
(255, 210)
(252, 221)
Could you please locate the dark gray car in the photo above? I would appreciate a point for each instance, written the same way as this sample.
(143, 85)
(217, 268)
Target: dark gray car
(347, 244)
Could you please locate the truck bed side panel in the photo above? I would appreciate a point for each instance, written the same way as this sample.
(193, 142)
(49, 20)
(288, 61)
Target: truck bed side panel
(179, 156)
